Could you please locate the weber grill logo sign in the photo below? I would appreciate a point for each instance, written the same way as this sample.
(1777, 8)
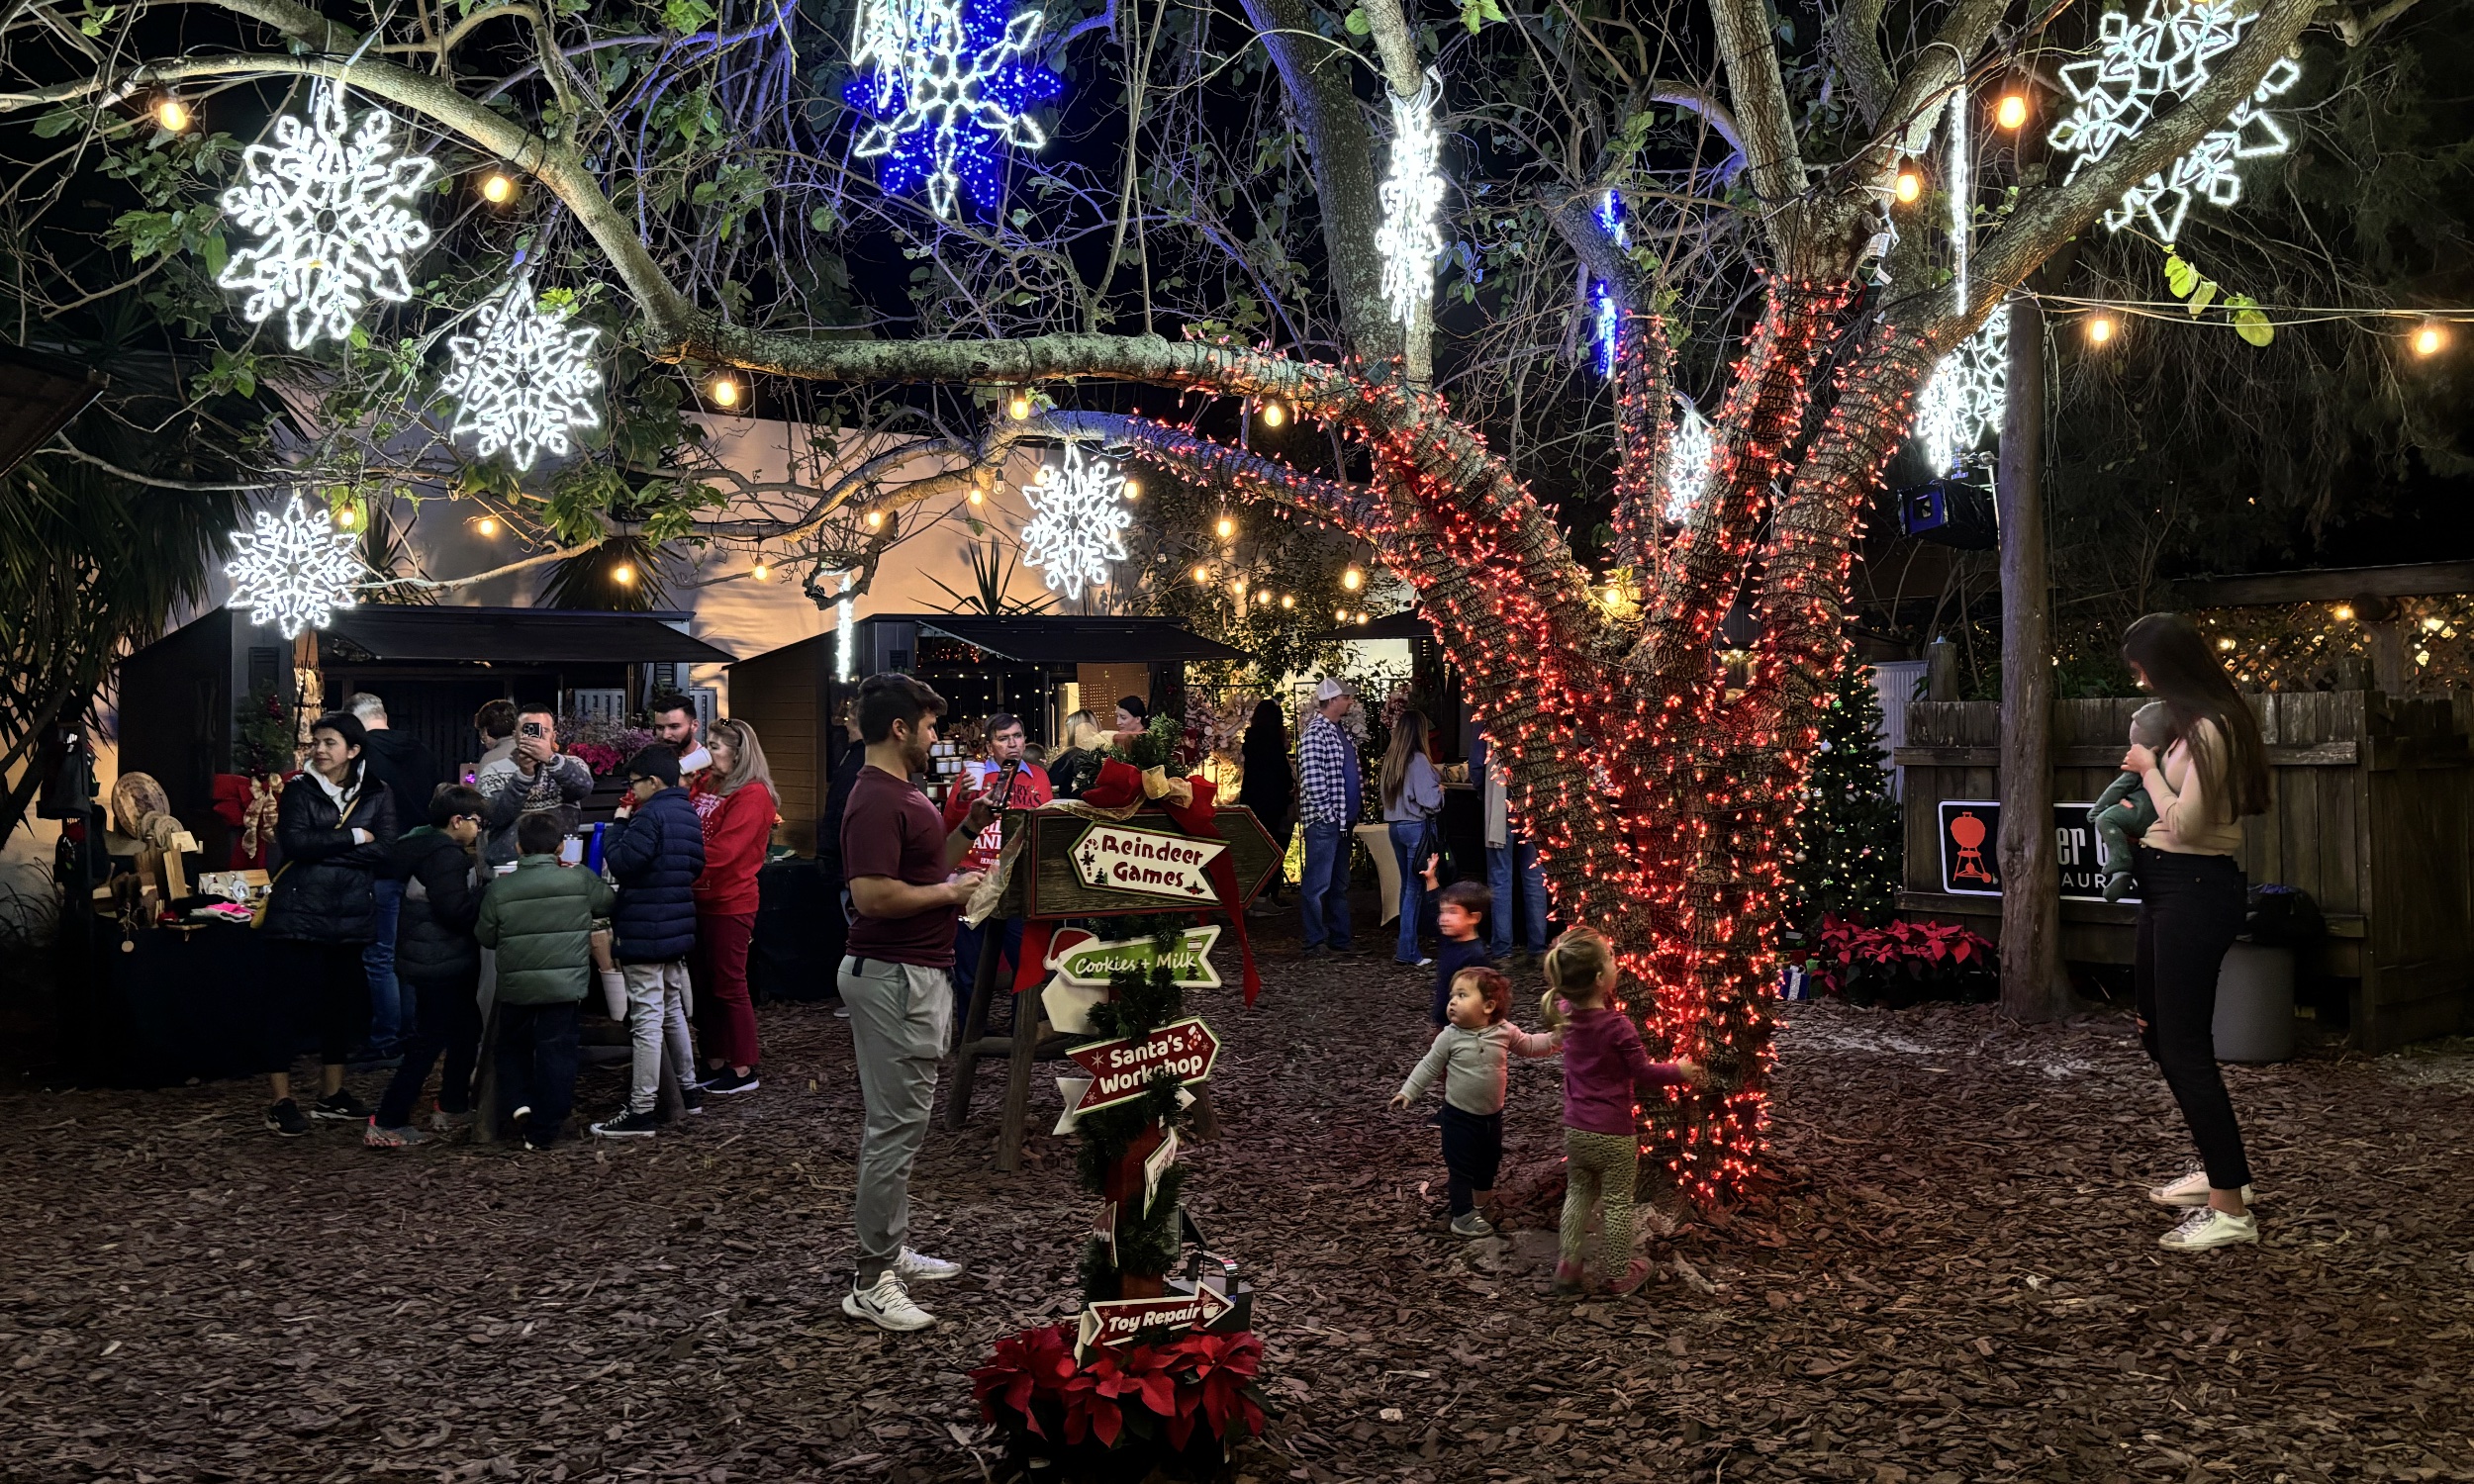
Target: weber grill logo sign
(1971, 867)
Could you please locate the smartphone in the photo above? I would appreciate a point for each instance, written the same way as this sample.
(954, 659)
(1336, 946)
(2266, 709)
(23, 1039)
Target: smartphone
(532, 729)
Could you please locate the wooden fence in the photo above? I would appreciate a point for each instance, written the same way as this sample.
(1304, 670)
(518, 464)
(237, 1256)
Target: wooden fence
(2371, 811)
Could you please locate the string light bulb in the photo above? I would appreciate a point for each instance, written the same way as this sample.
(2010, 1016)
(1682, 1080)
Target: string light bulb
(2344, 612)
(1288, 600)
(725, 392)
(1909, 185)
(2012, 110)
(2429, 338)
(2099, 330)
(1203, 574)
(1018, 405)
(875, 519)
(761, 572)
(487, 526)
(1350, 579)
(498, 188)
(1132, 489)
(1227, 529)
(1273, 413)
(624, 574)
(171, 114)
(347, 518)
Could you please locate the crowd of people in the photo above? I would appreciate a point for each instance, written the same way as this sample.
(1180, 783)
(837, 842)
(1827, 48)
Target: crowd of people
(391, 881)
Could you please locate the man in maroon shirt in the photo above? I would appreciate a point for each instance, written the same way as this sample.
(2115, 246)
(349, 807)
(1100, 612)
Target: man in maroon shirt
(899, 858)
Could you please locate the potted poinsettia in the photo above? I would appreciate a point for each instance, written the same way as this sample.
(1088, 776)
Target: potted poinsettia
(1116, 1414)
(1904, 962)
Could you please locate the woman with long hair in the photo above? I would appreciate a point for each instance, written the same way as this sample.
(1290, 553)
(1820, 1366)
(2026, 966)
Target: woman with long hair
(738, 806)
(2192, 900)
(1412, 794)
(1081, 739)
(1270, 785)
(331, 831)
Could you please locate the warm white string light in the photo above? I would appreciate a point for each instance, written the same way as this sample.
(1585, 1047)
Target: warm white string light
(1961, 405)
(1411, 195)
(524, 379)
(1077, 510)
(325, 198)
(2169, 49)
(293, 570)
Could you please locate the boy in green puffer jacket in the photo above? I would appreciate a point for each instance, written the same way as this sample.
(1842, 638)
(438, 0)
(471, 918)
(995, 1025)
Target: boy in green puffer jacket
(540, 921)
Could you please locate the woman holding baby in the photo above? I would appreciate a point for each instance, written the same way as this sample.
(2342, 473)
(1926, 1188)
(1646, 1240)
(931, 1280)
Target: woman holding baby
(2192, 901)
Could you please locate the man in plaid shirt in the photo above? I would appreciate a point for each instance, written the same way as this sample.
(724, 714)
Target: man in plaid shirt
(1330, 793)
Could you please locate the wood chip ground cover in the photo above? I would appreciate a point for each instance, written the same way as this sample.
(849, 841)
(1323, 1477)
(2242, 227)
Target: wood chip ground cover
(1956, 1280)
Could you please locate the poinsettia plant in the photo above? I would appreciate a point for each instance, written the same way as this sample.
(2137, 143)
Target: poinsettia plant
(1901, 963)
(1142, 1390)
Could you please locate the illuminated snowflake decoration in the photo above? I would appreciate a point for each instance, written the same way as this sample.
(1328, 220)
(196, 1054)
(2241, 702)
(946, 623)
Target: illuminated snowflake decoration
(294, 571)
(1961, 405)
(1077, 510)
(1411, 196)
(524, 378)
(326, 200)
(2169, 51)
(1690, 449)
(949, 83)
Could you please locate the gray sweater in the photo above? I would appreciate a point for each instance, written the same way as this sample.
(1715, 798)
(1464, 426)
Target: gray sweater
(1474, 1064)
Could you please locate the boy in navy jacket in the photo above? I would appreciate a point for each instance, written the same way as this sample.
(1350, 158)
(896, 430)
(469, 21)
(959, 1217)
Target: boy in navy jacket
(656, 852)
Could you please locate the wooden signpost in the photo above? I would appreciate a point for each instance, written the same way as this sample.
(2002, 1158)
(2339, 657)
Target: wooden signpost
(1073, 867)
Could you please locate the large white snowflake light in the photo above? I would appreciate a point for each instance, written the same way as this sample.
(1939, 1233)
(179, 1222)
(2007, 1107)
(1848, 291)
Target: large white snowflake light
(326, 200)
(2170, 49)
(294, 571)
(947, 82)
(1690, 449)
(1077, 510)
(1961, 405)
(1411, 195)
(524, 378)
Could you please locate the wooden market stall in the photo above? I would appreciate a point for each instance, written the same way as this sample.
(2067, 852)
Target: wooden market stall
(2371, 812)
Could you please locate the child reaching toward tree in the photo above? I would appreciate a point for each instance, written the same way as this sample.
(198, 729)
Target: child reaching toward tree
(1472, 1055)
(1604, 1068)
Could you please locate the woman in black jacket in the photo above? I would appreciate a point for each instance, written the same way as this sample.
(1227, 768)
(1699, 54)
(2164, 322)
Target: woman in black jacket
(331, 834)
(1270, 785)
(437, 956)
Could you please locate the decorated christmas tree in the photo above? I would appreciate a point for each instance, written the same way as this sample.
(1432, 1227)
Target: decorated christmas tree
(1847, 850)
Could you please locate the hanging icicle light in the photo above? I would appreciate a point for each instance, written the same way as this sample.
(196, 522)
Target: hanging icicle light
(1410, 238)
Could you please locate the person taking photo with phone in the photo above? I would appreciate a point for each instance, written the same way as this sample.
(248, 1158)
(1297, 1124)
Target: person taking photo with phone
(535, 779)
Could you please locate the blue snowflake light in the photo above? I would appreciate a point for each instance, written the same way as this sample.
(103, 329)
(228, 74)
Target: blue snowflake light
(1610, 319)
(948, 84)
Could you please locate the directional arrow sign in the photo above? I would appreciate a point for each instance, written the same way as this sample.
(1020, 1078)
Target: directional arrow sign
(1089, 963)
(1122, 1321)
(1120, 1069)
(1152, 863)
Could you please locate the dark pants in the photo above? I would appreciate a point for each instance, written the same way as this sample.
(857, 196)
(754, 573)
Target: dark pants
(1472, 1150)
(536, 1065)
(969, 942)
(446, 1019)
(315, 985)
(2190, 908)
(391, 1005)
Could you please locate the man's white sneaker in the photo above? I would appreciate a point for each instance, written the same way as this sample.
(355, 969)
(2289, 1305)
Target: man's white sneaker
(2208, 1227)
(888, 1306)
(920, 1268)
(2190, 1190)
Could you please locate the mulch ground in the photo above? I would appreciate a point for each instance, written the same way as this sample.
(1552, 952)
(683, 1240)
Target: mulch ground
(1957, 1279)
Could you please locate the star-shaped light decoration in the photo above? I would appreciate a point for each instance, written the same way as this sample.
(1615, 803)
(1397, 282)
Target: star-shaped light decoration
(1078, 509)
(524, 378)
(326, 200)
(947, 82)
(1411, 195)
(1690, 450)
(293, 570)
(2169, 49)
(1961, 405)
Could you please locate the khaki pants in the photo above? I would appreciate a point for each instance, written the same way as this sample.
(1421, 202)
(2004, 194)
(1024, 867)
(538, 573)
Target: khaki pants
(657, 998)
(901, 1017)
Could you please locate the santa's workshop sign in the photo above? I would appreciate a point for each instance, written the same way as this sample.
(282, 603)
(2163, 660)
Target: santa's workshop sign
(1121, 1069)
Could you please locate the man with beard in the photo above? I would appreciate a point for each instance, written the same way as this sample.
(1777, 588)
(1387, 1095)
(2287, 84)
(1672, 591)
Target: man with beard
(898, 855)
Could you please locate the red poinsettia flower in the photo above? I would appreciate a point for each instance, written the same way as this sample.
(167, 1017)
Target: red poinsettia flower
(1026, 1364)
(1091, 1400)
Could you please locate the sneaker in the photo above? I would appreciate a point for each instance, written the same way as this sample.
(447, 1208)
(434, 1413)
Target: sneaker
(535, 1149)
(1470, 1224)
(1635, 1274)
(341, 1106)
(443, 1122)
(375, 1137)
(841, 1012)
(725, 1083)
(626, 1126)
(888, 1306)
(2208, 1227)
(285, 1121)
(920, 1268)
(2190, 1190)
(1567, 1278)
(691, 1100)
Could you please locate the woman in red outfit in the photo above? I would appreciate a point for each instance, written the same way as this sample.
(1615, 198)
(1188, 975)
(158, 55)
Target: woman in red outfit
(735, 801)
